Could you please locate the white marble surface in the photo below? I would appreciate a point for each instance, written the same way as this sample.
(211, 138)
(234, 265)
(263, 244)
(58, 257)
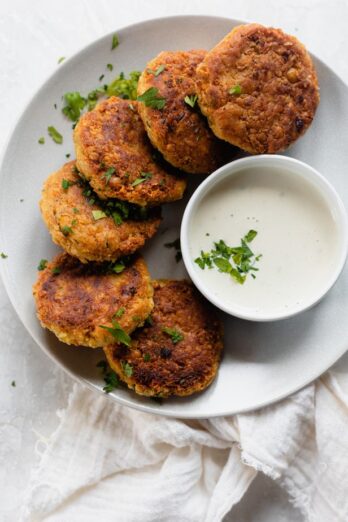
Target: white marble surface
(33, 35)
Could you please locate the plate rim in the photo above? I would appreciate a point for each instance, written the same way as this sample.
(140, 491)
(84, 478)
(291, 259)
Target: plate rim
(160, 410)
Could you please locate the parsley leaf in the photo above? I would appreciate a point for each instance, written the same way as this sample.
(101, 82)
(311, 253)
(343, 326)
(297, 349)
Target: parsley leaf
(146, 357)
(127, 369)
(98, 214)
(110, 377)
(118, 333)
(55, 135)
(3, 256)
(115, 42)
(108, 174)
(66, 183)
(42, 265)
(175, 335)
(56, 270)
(65, 230)
(123, 87)
(109, 66)
(119, 312)
(75, 103)
(61, 59)
(41, 140)
(144, 176)
(191, 100)
(236, 89)
(151, 99)
(250, 236)
(158, 71)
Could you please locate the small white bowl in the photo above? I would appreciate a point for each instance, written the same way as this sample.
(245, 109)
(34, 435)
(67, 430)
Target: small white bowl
(315, 197)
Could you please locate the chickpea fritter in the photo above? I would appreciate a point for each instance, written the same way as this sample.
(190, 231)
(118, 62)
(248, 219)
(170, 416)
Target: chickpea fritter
(76, 300)
(258, 88)
(115, 155)
(180, 132)
(72, 213)
(178, 351)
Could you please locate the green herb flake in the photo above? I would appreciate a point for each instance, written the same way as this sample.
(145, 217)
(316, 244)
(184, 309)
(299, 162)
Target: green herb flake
(150, 98)
(98, 214)
(75, 103)
(115, 42)
(13, 383)
(148, 321)
(66, 183)
(250, 236)
(61, 59)
(67, 155)
(118, 267)
(127, 369)
(110, 377)
(76, 210)
(3, 256)
(55, 135)
(118, 333)
(109, 66)
(101, 77)
(42, 265)
(125, 88)
(146, 357)
(41, 140)
(65, 230)
(144, 176)
(191, 100)
(175, 335)
(108, 174)
(56, 270)
(158, 71)
(236, 89)
(119, 312)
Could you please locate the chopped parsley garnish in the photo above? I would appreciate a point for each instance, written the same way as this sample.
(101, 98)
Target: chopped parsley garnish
(236, 89)
(98, 214)
(151, 99)
(3, 256)
(236, 261)
(148, 321)
(146, 357)
(110, 377)
(175, 244)
(56, 270)
(41, 140)
(191, 100)
(175, 335)
(61, 59)
(158, 71)
(118, 333)
(55, 135)
(42, 265)
(109, 66)
(144, 176)
(65, 230)
(75, 103)
(127, 369)
(66, 183)
(119, 312)
(101, 77)
(13, 383)
(67, 155)
(115, 42)
(123, 87)
(93, 96)
(108, 174)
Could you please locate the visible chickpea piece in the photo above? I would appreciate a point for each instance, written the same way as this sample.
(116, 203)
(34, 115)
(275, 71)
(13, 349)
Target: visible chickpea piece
(292, 75)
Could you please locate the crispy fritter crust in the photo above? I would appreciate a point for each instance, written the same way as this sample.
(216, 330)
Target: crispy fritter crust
(113, 136)
(160, 367)
(74, 303)
(279, 89)
(89, 239)
(179, 131)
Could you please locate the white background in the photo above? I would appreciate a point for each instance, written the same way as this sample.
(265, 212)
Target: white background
(33, 35)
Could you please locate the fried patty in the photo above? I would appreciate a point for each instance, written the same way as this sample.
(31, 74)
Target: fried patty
(180, 132)
(74, 300)
(115, 155)
(258, 88)
(73, 216)
(178, 350)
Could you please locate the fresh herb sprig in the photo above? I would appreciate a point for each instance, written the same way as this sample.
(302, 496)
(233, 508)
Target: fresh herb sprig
(237, 261)
(118, 333)
(174, 334)
(151, 98)
(110, 377)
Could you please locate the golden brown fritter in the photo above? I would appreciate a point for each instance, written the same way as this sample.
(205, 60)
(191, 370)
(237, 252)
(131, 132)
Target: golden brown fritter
(181, 361)
(74, 300)
(115, 155)
(180, 132)
(74, 222)
(258, 88)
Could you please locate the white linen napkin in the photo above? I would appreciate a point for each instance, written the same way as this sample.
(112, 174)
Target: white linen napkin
(110, 463)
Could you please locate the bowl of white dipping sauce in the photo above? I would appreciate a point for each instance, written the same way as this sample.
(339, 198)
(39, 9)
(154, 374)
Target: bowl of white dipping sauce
(264, 237)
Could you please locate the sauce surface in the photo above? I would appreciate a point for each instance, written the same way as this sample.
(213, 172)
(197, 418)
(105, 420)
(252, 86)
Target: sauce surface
(296, 234)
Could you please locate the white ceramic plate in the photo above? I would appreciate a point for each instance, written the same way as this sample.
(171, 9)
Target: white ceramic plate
(262, 362)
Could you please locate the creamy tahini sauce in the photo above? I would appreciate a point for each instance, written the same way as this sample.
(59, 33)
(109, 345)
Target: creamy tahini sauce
(297, 237)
